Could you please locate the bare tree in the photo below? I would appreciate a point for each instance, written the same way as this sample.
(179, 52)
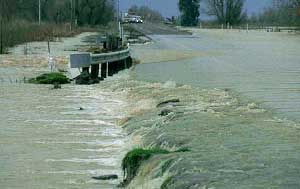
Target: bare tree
(290, 3)
(227, 11)
(7, 10)
(282, 13)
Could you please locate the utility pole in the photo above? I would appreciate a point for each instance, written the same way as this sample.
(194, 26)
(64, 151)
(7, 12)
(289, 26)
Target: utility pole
(71, 22)
(1, 35)
(39, 12)
(118, 19)
(1, 27)
(76, 13)
(118, 5)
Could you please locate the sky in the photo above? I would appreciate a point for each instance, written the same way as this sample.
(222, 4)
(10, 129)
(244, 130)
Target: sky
(169, 8)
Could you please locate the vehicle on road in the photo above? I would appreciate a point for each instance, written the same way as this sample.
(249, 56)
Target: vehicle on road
(128, 18)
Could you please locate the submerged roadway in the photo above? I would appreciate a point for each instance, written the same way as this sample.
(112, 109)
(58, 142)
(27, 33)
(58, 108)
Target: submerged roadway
(259, 65)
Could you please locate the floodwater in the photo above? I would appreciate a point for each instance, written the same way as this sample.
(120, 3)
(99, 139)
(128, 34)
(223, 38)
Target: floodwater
(260, 65)
(61, 138)
(57, 138)
(48, 142)
(239, 109)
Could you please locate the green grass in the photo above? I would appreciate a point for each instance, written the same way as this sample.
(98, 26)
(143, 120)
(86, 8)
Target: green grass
(166, 165)
(166, 183)
(134, 159)
(184, 149)
(50, 78)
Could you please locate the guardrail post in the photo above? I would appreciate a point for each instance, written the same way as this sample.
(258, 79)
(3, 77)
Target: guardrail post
(103, 70)
(129, 62)
(95, 71)
(86, 69)
(112, 68)
(119, 65)
(125, 64)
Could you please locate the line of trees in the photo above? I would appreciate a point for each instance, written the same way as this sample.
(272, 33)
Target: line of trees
(87, 12)
(19, 18)
(225, 11)
(282, 13)
(232, 12)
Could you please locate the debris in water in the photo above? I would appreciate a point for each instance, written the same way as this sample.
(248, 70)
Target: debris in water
(106, 177)
(168, 102)
(86, 79)
(56, 86)
(165, 112)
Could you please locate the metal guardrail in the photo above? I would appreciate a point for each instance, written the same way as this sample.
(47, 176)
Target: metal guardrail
(81, 60)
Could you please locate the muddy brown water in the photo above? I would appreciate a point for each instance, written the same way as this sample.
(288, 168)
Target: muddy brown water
(46, 141)
(260, 65)
(57, 138)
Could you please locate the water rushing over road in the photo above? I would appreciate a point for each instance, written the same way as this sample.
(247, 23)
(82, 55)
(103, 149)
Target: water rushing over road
(57, 138)
(48, 142)
(263, 66)
(235, 142)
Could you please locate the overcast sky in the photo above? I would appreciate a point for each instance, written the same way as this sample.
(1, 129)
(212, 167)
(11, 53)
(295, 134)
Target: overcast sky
(169, 7)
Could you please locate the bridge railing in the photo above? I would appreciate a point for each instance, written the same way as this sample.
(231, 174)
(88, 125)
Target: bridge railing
(81, 60)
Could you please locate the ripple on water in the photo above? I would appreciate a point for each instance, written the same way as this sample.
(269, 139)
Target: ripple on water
(108, 161)
(52, 144)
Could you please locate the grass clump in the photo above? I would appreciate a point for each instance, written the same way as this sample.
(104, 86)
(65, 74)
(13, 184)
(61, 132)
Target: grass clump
(184, 149)
(134, 159)
(166, 165)
(50, 78)
(166, 183)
